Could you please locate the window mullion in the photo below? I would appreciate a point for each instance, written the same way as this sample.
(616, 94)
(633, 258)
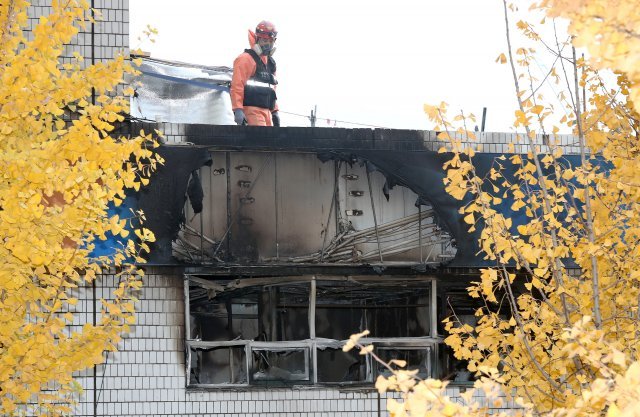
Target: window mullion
(312, 309)
(312, 329)
(433, 310)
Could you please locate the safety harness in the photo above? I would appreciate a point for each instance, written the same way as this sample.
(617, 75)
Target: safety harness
(259, 91)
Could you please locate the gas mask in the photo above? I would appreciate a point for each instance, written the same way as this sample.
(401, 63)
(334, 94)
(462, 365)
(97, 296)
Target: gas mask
(265, 46)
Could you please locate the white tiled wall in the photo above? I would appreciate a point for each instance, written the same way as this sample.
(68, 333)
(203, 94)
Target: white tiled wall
(147, 376)
(499, 142)
(110, 35)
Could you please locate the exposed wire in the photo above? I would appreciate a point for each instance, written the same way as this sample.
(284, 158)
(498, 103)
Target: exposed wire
(334, 120)
(402, 234)
(143, 119)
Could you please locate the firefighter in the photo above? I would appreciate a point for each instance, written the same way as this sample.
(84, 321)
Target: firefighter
(253, 95)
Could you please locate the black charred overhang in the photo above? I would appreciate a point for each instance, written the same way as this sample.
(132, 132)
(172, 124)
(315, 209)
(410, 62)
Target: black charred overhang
(308, 139)
(162, 201)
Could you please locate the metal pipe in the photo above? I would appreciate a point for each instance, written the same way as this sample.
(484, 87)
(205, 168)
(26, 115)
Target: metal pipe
(227, 233)
(273, 312)
(395, 223)
(333, 200)
(338, 217)
(373, 209)
(275, 173)
(212, 199)
(312, 309)
(185, 248)
(342, 251)
(420, 229)
(399, 248)
(232, 376)
(187, 323)
(343, 242)
(201, 225)
(207, 239)
(434, 309)
(484, 118)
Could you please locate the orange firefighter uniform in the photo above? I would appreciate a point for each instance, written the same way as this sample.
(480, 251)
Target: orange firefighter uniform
(253, 83)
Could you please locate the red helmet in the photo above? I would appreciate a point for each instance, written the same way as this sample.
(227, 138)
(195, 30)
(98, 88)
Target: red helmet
(266, 29)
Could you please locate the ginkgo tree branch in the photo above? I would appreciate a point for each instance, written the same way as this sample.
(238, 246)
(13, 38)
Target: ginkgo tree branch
(587, 198)
(490, 223)
(518, 319)
(9, 28)
(543, 186)
(545, 137)
(555, 261)
(564, 70)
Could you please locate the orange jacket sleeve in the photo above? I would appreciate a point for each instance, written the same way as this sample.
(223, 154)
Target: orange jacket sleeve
(243, 68)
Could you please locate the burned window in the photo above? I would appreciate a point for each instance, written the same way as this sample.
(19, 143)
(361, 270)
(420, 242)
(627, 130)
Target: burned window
(338, 367)
(261, 313)
(284, 312)
(386, 309)
(280, 364)
(284, 331)
(223, 365)
(418, 358)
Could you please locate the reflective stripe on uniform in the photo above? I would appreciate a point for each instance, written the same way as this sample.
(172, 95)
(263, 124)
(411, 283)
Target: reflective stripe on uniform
(259, 84)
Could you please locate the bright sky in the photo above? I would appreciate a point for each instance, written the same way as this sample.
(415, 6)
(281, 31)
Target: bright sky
(360, 61)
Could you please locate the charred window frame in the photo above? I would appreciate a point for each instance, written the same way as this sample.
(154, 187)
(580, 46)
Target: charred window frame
(274, 333)
(426, 357)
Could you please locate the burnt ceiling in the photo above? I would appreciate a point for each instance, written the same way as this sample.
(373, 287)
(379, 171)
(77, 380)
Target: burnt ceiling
(404, 157)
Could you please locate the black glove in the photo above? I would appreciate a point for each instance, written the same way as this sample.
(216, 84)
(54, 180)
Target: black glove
(276, 119)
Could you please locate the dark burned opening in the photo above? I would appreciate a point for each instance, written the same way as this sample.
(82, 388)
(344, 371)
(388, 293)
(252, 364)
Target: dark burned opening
(280, 364)
(218, 365)
(336, 366)
(282, 331)
(386, 309)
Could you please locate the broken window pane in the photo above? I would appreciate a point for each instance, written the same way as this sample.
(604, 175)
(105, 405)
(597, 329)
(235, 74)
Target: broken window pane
(261, 313)
(391, 308)
(416, 358)
(279, 365)
(284, 312)
(222, 317)
(270, 318)
(220, 365)
(336, 366)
